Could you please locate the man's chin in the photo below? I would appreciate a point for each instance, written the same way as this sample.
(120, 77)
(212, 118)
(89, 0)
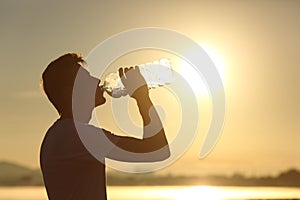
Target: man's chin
(101, 102)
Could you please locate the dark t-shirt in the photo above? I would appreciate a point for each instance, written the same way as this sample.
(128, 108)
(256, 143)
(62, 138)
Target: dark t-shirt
(69, 170)
(72, 158)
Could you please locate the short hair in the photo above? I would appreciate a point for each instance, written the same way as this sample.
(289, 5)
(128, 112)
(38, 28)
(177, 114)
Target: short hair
(58, 79)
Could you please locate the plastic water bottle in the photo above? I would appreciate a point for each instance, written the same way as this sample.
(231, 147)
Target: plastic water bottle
(156, 73)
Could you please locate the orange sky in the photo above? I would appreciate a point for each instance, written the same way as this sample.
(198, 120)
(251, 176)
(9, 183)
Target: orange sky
(258, 41)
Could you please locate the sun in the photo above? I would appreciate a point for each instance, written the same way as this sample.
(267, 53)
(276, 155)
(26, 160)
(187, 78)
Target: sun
(217, 59)
(194, 79)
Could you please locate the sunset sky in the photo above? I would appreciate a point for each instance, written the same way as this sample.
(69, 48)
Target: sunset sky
(257, 43)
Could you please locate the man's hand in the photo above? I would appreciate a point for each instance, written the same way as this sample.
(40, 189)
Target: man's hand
(134, 82)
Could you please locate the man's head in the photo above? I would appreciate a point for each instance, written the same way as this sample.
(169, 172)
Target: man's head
(59, 78)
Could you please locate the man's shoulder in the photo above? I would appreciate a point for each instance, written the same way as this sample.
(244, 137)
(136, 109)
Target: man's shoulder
(77, 125)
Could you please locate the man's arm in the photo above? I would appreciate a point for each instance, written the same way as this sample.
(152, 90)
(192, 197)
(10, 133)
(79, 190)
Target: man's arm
(154, 145)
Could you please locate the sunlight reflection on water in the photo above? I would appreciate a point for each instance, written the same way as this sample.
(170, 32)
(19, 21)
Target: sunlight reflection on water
(166, 193)
(201, 192)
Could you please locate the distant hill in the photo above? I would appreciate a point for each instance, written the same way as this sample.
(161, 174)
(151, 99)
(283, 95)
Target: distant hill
(12, 174)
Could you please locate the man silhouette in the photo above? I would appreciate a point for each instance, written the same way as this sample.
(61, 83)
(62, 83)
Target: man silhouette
(70, 169)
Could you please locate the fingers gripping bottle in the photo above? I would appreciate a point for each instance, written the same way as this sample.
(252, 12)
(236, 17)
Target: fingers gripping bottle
(156, 73)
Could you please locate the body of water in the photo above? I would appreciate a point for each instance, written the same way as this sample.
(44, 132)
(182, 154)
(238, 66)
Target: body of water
(166, 193)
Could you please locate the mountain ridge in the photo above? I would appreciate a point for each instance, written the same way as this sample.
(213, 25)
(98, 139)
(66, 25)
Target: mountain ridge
(12, 174)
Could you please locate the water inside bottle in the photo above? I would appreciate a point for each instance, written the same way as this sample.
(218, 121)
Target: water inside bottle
(156, 73)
